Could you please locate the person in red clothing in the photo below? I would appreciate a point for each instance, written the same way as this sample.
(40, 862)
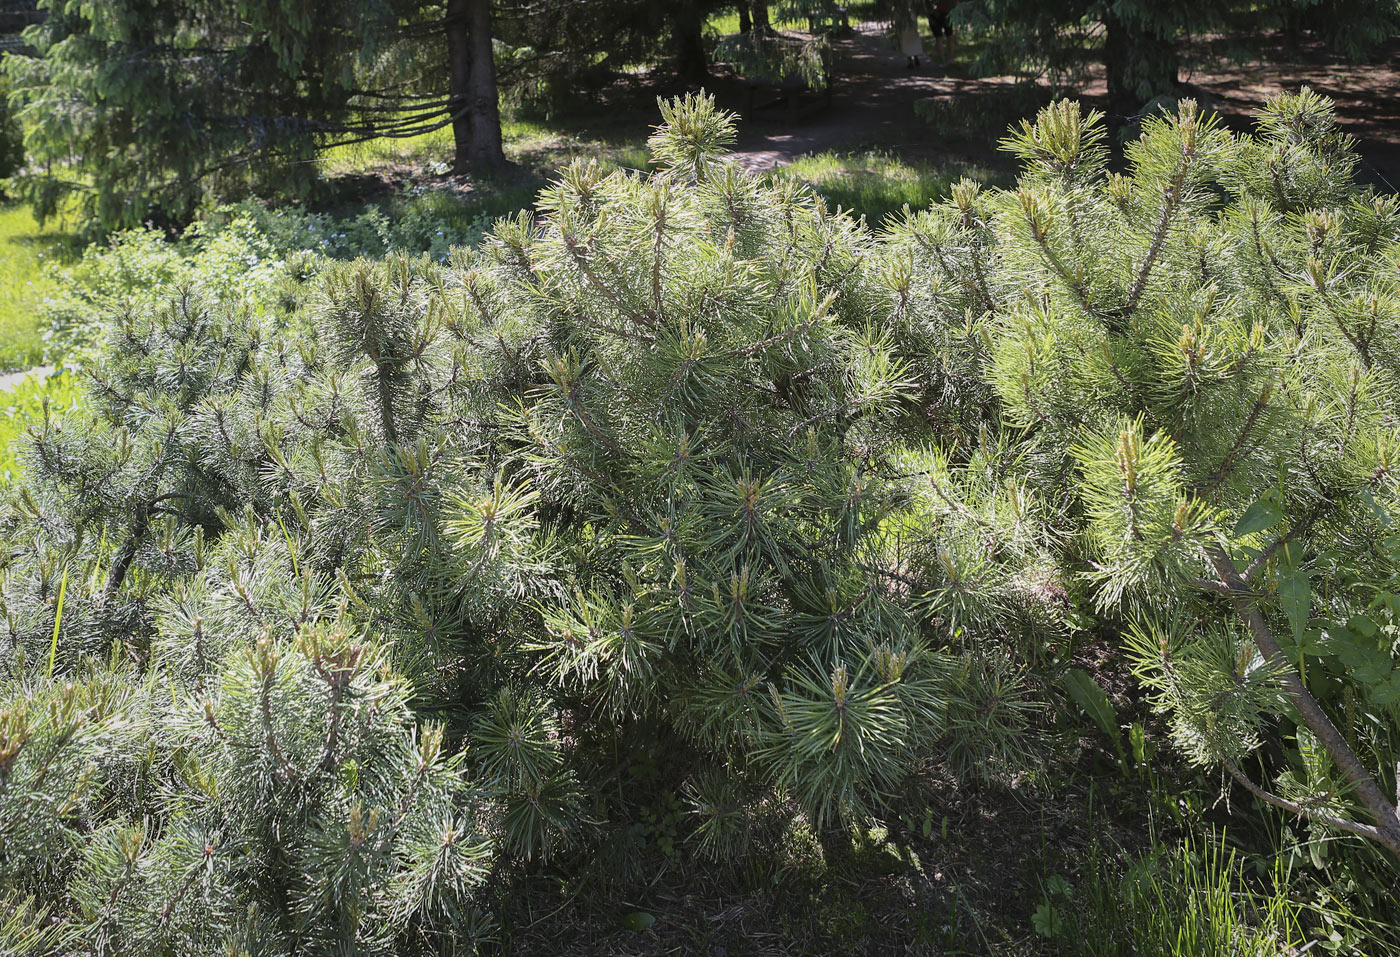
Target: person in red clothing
(940, 24)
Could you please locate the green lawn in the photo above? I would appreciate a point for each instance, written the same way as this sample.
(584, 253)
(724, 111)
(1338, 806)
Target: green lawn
(876, 184)
(24, 406)
(27, 253)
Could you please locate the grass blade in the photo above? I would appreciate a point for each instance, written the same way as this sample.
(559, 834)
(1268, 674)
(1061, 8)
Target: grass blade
(58, 619)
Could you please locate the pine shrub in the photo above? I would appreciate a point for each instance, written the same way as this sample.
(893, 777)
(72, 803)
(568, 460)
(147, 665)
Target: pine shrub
(318, 625)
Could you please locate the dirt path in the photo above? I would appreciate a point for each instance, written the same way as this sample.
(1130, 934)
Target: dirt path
(9, 380)
(872, 107)
(1367, 97)
(875, 97)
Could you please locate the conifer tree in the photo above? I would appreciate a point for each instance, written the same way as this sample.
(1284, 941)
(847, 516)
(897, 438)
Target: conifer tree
(1196, 358)
(625, 478)
(1142, 39)
(141, 110)
(684, 466)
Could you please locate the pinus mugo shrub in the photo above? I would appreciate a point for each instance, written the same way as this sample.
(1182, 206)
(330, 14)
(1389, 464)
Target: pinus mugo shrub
(685, 468)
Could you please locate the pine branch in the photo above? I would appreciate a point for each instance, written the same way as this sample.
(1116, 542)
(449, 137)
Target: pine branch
(1382, 810)
(1300, 528)
(186, 884)
(574, 399)
(265, 664)
(979, 279)
(602, 288)
(1159, 238)
(1170, 203)
(1342, 824)
(1227, 464)
(657, 256)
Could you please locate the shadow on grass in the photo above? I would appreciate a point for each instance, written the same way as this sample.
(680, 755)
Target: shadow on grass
(878, 185)
(408, 180)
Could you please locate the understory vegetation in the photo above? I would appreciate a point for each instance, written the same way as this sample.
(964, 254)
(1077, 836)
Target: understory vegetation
(877, 184)
(27, 257)
(399, 584)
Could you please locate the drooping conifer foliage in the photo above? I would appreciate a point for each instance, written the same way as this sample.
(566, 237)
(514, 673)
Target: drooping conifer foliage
(314, 625)
(141, 110)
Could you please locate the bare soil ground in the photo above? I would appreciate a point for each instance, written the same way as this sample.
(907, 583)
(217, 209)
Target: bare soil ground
(876, 96)
(1367, 95)
(873, 106)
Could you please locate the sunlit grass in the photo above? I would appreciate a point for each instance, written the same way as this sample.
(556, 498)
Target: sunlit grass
(877, 184)
(27, 254)
(545, 145)
(728, 22)
(425, 149)
(24, 406)
(531, 143)
(534, 148)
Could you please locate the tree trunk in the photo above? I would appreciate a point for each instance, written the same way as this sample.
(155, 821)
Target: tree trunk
(760, 15)
(687, 25)
(1140, 62)
(476, 115)
(745, 23)
(1292, 28)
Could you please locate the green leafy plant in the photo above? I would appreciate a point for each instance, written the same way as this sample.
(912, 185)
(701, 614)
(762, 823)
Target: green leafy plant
(1194, 898)
(1090, 696)
(1048, 919)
